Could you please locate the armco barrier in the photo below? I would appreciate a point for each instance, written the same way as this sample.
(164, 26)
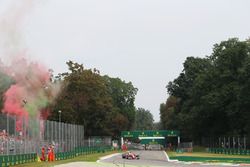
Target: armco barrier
(81, 151)
(229, 151)
(11, 160)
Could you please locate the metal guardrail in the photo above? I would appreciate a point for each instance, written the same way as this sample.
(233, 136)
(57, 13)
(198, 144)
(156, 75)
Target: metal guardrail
(81, 151)
(229, 151)
(11, 160)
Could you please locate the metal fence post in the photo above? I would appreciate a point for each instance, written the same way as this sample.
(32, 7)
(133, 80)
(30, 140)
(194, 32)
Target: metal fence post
(8, 133)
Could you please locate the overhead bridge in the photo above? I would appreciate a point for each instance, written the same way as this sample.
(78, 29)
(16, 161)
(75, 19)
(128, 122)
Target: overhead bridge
(151, 136)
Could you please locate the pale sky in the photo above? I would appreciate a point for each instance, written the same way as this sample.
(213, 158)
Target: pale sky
(142, 41)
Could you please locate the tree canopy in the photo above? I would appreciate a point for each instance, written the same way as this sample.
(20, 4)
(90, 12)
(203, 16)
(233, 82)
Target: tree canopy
(143, 120)
(104, 105)
(211, 95)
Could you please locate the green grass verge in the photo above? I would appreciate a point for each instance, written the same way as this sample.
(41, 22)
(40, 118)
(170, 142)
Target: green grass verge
(208, 157)
(199, 149)
(86, 158)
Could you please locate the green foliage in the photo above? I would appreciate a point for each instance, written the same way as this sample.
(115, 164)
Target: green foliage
(5, 83)
(123, 96)
(199, 149)
(104, 105)
(157, 126)
(211, 95)
(143, 120)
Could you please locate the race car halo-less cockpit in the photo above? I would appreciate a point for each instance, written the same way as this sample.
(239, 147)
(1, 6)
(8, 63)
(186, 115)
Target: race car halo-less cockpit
(130, 155)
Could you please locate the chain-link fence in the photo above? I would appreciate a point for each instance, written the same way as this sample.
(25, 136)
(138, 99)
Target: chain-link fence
(95, 141)
(230, 142)
(19, 135)
(186, 146)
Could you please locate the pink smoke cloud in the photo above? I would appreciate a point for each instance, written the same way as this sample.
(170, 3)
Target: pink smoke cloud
(31, 90)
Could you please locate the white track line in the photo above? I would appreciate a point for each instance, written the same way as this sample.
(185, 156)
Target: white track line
(169, 160)
(107, 157)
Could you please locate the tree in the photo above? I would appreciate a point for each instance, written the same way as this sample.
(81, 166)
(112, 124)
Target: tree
(157, 126)
(123, 96)
(143, 120)
(180, 104)
(104, 105)
(212, 93)
(84, 100)
(5, 83)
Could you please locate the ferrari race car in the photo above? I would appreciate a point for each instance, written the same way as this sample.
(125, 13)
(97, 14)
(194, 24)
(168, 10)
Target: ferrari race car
(130, 155)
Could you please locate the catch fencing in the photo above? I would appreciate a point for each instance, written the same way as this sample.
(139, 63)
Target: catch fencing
(186, 147)
(19, 135)
(98, 141)
(226, 142)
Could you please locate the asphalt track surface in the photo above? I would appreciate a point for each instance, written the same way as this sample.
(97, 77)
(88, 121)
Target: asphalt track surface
(147, 159)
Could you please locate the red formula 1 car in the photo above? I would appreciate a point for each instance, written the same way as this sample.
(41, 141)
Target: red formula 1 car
(130, 155)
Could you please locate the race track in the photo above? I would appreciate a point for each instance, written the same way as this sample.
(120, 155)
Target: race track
(147, 159)
(151, 159)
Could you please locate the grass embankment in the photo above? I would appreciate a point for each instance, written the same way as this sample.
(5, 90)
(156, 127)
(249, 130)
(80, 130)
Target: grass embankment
(86, 158)
(208, 157)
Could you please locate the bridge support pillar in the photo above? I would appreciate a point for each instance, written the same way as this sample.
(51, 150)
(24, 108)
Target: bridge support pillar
(122, 142)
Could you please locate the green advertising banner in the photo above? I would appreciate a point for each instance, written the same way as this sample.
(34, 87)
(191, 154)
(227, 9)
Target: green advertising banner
(150, 133)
